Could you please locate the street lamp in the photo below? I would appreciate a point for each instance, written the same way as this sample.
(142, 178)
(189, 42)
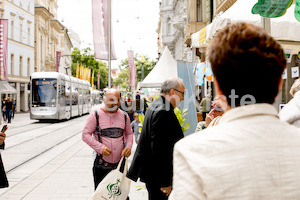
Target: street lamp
(143, 60)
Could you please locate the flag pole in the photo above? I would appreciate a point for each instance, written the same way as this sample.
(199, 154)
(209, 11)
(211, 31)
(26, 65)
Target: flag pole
(109, 43)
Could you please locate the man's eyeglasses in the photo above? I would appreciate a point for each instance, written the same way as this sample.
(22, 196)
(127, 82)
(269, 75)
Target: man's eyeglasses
(179, 91)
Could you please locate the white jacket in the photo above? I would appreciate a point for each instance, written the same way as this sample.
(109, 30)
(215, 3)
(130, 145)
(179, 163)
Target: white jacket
(291, 111)
(249, 155)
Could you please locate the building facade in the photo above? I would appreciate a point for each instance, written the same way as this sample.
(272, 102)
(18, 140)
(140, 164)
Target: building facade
(1, 9)
(171, 29)
(20, 52)
(51, 39)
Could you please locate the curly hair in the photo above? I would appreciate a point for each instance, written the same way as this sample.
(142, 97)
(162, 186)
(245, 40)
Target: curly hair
(246, 59)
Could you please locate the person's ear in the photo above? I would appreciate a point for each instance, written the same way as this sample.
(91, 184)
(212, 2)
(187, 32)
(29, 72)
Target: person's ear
(280, 83)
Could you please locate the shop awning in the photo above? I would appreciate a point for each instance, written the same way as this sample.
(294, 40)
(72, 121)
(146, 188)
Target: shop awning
(200, 38)
(6, 88)
(285, 27)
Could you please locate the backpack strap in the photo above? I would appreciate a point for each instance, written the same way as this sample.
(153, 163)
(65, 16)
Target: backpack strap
(124, 129)
(98, 129)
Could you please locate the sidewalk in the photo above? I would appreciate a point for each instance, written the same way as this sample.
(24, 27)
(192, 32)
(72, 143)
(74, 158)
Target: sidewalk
(20, 119)
(68, 176)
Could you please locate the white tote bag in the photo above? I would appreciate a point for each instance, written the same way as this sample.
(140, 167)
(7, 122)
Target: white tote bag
(115, 186)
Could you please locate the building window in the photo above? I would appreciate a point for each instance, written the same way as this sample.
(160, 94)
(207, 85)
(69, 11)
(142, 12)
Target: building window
(28, 4)
(21, 65)
(169, 27)
(12, 64)
(28, 67)
(28, 35)
(199, 11)
(21, 31)
(12, 29)
(41, 50)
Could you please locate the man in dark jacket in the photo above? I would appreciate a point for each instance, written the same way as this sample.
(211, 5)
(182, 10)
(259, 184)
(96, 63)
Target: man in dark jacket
(153, 159)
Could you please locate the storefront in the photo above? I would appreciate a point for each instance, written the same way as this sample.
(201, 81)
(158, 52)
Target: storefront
(285, 28)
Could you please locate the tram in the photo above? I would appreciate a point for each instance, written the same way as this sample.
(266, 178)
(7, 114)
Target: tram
(58, 96)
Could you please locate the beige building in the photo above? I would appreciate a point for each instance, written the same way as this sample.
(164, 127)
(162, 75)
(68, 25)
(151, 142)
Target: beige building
(1, 8)
(51, 37)
(20, 49)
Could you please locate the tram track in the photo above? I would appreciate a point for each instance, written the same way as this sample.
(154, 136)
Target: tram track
(47, 124)
(29, 140)
(41, 153)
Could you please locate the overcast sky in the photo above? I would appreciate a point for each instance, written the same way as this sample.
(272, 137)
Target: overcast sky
(134, 24)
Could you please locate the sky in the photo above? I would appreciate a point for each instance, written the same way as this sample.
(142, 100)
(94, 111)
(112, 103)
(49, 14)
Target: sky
(134, 24)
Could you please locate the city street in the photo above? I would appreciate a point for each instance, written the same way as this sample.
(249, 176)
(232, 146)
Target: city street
(48, 160)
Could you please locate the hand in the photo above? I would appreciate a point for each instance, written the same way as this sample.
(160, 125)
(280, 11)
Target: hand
(2, 138)
(166, 190)
(221, 102)
(209, 118)
(106, 151)
(126, 152)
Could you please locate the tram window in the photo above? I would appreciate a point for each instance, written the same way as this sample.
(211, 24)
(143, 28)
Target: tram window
(67, 89)
(44, 92)
(62, 94)
(75, 95)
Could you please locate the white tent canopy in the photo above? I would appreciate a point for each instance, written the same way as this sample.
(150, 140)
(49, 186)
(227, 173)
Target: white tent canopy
(285, 27)
(165, 68)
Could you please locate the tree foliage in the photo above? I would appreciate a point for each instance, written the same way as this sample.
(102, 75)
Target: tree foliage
(123, 77)
(85, 57)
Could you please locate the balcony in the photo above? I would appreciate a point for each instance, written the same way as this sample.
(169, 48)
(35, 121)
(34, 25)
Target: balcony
(168, 40)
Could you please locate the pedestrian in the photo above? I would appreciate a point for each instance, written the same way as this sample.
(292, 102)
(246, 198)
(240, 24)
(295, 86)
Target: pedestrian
(3, 178)
(290, 113)
(152, 161)
(115, 136)
(130, 106)
(135, 125)
(250, 154)
(8, 109)
(215, 114)
(145, 104)
(138, 103)
(205, 105)
(14, 107)
(3, 109)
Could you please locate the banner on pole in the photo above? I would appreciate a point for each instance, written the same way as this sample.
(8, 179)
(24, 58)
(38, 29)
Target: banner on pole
(58, 54)
(133, 77)
(98, 81)
(130, 54)
(3, 48)
(77, 71)
(100, 18)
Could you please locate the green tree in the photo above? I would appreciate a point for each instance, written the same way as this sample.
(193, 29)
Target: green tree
(123, 77)
(86, 58)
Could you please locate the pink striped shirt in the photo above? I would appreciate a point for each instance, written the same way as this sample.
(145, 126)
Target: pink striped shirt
(108, 120)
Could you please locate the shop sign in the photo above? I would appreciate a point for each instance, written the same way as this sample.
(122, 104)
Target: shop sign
(284, 74)
(288, 55)
(297, 10)
(202, 35)
(271, 8)
(295, 72)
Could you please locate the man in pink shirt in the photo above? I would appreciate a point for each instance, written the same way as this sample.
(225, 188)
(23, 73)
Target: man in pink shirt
(115, 132)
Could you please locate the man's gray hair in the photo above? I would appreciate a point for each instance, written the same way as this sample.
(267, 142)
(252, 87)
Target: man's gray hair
(171, 83)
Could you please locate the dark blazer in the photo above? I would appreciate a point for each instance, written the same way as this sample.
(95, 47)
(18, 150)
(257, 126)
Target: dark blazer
(153, 159)
(3, 178)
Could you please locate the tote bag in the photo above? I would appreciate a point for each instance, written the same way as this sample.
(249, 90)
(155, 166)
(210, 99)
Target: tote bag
(115, 186)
